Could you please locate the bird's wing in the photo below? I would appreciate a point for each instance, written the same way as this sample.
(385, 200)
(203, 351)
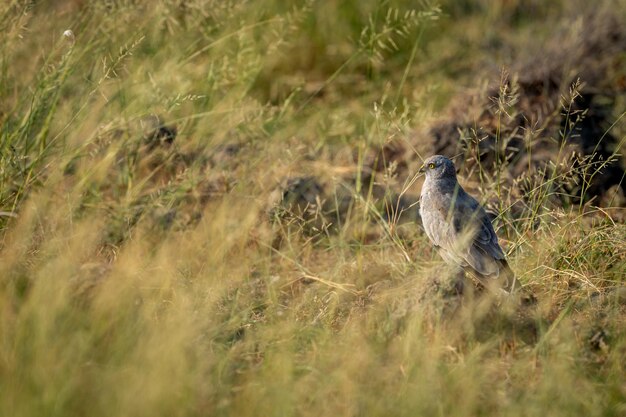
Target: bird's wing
(461, 230)
(478, 241)
(483, 254)
(486, 239)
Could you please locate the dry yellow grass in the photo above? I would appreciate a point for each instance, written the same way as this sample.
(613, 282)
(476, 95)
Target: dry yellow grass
(141, 277)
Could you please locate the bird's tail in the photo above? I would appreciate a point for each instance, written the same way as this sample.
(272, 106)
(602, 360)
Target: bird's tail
(510, 284)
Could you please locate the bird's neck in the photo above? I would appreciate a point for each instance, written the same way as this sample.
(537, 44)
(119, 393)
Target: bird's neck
(443, 185)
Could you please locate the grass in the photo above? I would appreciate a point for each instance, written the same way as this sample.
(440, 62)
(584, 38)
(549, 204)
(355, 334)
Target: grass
(258, 264)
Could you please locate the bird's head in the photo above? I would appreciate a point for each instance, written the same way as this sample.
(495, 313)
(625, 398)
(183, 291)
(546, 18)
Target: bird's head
(438, 167)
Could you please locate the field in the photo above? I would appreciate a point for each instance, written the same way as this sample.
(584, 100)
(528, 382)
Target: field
(209, 207)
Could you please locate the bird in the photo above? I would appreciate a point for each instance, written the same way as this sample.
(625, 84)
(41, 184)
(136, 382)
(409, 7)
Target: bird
(458, 226)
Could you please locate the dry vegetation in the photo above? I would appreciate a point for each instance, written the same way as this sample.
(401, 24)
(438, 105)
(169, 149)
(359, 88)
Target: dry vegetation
(208, 207)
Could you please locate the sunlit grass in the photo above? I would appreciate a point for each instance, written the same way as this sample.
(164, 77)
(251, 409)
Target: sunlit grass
(142, 277)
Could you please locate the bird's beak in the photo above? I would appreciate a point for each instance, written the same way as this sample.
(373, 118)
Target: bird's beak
(421, 170)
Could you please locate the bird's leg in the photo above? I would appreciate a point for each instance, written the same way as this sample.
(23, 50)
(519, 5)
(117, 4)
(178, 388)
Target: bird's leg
(458, 281)
(452, 283)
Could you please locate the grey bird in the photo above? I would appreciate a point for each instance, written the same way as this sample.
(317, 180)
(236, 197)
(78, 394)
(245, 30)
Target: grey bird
(460, 229)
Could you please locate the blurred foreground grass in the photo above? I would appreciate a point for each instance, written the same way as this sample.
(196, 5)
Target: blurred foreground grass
(142, 277)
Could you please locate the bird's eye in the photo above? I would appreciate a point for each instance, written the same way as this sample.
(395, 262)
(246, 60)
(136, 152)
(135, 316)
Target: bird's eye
(431, 166)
